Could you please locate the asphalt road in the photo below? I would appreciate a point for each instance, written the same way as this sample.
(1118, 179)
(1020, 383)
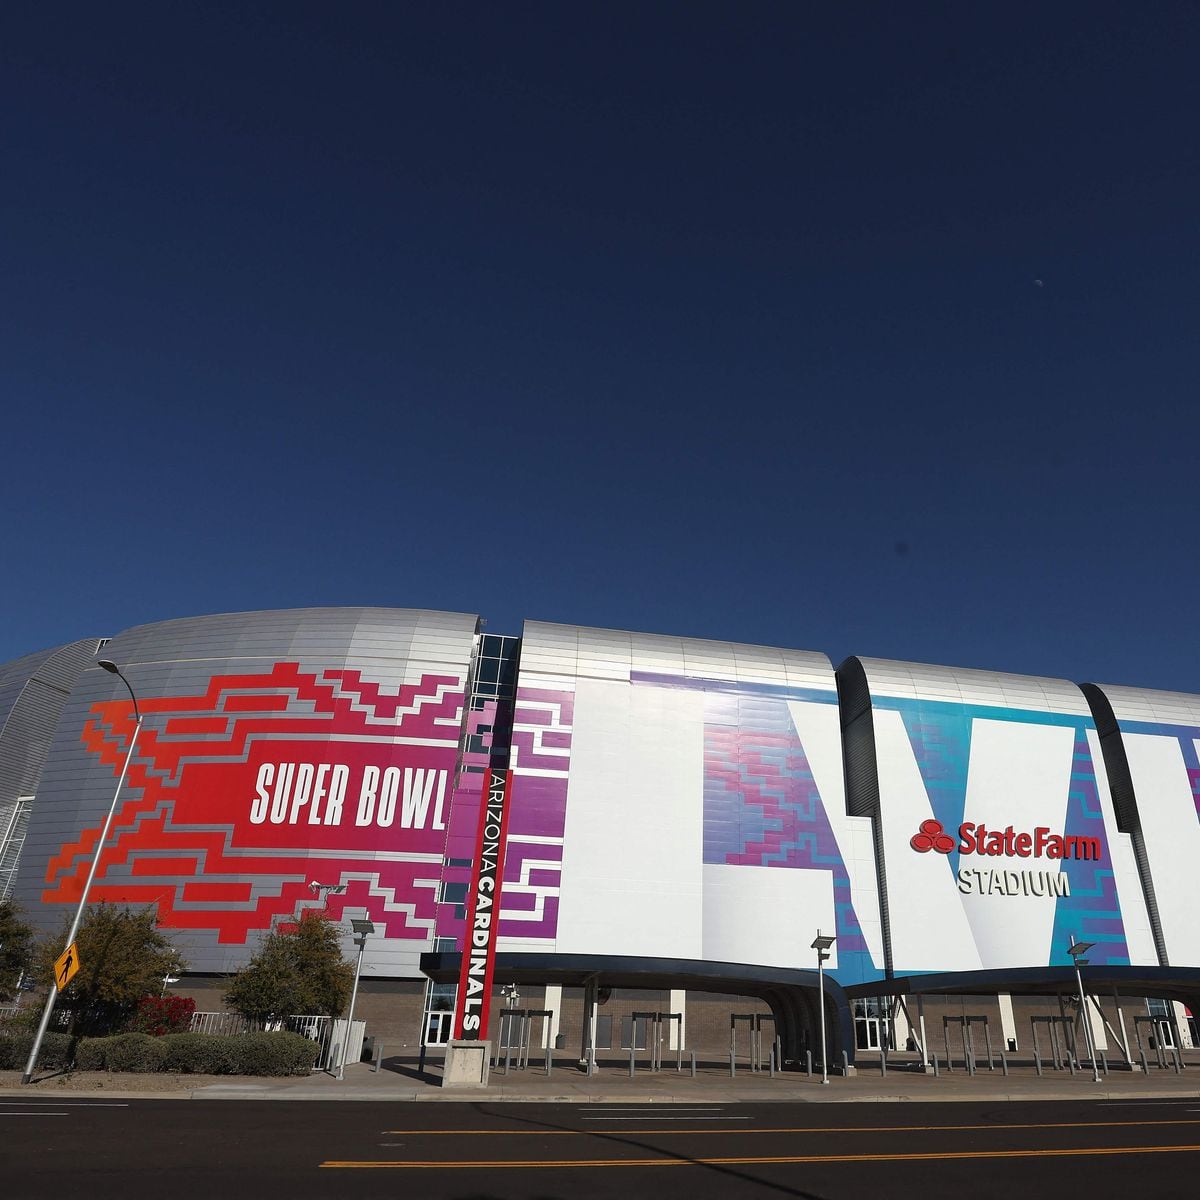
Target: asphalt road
(185, 1149)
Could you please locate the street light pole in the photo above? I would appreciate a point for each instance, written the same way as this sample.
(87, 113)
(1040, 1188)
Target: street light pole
(362, 929)
(822, 946)
(112, 669)
(1077, 950)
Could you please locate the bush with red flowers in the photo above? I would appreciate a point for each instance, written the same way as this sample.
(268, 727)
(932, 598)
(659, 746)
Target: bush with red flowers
(155, 1016)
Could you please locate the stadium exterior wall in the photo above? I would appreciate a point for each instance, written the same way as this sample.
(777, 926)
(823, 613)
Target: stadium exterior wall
(672, 800)
(33, 691)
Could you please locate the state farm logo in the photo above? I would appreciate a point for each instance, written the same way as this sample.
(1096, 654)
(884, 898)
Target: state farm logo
(1007, 842)
(932, 836)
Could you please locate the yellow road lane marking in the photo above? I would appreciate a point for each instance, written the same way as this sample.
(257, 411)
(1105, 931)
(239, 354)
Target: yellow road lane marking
(749, 1161)
(815, 1129)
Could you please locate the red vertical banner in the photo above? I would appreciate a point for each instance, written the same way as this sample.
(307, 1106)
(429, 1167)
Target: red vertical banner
(474, 1000)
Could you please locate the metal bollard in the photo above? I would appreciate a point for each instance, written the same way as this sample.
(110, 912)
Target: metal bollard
(1037, 1060)
(693, 1064)
(1145, 1065)
(1004, 1063)
(732, 1066)
(845, 1065)
(936, 1072)
(808, 1063)
(772, 1062)
(970, 1063)
(1104, 1062)
(549, 1058)
(1178, 1060)
(632, 1062)
(883, 1064)
(378, 1057)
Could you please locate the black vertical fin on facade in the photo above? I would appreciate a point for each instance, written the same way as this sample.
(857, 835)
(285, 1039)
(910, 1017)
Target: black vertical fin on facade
(508, 651)
(1120, 784)
(862, 776)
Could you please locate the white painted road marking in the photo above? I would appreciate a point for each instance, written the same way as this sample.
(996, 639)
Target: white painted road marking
(73, 1103)
(657, 1108)
(659, 1116)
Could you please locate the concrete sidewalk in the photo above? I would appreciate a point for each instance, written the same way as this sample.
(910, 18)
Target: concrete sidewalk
(400, 1081)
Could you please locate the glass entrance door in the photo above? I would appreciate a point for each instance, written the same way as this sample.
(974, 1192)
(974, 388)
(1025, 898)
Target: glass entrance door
(871, 1025)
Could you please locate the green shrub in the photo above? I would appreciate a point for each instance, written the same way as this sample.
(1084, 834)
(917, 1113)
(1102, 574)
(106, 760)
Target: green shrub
(274, 1053)
(91, 1054)
(187, 1053)
(135, 1052)
(15, 1045)
(200, 1054)
(239, 1054)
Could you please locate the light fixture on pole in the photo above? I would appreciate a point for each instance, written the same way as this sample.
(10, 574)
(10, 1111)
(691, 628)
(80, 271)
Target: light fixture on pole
(362, 930)
(1077, 950)
(822, 945)
(325, 890)
(112, 669)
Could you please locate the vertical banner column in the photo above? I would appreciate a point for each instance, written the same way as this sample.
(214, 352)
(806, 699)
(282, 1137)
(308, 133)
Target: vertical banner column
(483, 911)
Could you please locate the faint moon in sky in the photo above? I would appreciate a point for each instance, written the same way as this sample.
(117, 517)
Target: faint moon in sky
(1038, 283)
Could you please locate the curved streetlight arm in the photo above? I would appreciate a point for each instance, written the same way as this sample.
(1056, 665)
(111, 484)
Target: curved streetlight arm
(112, 668)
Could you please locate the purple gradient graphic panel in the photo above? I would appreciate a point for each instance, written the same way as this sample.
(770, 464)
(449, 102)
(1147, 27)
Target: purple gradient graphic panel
(1092, 912)
(540, 763)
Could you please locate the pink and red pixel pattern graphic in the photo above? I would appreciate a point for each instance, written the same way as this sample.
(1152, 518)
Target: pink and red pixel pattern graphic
(183, 838)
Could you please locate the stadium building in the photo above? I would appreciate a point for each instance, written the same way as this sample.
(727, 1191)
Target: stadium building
(681, 820)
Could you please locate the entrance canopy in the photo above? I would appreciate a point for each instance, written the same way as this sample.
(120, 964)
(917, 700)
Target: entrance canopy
(790, 994)
(1166, 983)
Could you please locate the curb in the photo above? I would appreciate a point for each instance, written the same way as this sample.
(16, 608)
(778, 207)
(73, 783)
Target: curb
(432, 1095)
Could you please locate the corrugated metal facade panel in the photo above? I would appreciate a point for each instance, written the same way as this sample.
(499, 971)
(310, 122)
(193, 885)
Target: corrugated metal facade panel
(179, 659)
(1157, 708)
(33, 691)
(578, 651)
(924, 681)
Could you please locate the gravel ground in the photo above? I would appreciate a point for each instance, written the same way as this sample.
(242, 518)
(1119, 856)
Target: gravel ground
(124, 1081)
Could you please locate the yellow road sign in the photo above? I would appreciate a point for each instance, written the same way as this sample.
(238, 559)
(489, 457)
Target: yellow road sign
(65, 966)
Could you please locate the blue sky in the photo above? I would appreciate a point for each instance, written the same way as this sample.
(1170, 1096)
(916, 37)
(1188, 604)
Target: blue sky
(860, 328)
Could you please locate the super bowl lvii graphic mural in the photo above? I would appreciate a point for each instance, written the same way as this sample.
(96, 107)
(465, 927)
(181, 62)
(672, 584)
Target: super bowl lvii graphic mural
(238, 799)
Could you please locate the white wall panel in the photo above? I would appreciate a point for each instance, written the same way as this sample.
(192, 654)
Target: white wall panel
(1020, 775)
(1172, 834)
(633, 851)
(766, 916)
